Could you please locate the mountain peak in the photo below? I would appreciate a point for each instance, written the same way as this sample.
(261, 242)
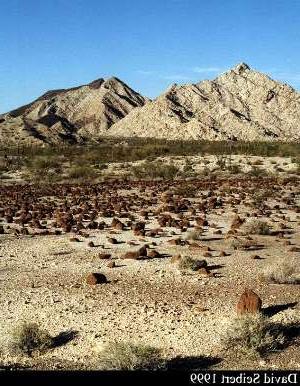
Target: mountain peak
(96, 83)
(241, 104)
(79, 113)
(240, 68)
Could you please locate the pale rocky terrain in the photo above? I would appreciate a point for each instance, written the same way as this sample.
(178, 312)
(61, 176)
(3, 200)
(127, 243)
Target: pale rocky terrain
(70, 115)
(149, 300)
(241, 104)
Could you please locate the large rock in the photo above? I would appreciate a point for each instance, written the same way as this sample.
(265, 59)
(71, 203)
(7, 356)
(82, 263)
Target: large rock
(96, 278)
(249, 302)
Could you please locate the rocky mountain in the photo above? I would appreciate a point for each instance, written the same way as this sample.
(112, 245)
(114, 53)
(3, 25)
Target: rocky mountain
(70, 115)
(241, 104)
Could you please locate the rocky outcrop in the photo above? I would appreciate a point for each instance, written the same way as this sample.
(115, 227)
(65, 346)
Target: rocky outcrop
(73, 115)
(241, 104)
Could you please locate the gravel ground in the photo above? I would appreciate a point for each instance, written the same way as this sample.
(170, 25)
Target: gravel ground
(42, 279)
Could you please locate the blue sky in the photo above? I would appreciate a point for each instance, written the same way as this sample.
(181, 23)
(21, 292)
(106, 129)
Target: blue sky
(148, 44)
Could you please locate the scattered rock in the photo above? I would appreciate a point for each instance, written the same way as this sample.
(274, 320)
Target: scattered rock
(104, 255)
(153, 254)
(96, 278)
(249, 302)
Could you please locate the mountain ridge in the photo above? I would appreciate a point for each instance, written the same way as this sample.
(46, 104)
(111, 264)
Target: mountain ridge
(70, 115)
(240, 104)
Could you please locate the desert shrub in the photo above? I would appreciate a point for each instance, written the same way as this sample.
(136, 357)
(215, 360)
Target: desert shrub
(154, 170)
(297, 162)
(193, 235)
(257, 162)
(252, 336)
(133, 149)
(29, 338)
(82, 172)
(234, 169)
(128, 356)
(3, 166)
(257, 172)
(257, 227)
(281, 272)
(188, 263)
(222, 161)
(259, 198)
(188, 170)
(186, 190)
(205, 172)
(101, 166)
(238, 243)
(43, 163)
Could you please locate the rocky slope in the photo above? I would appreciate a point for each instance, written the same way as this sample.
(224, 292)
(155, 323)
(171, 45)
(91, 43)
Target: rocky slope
(241, 104)
(70, 115)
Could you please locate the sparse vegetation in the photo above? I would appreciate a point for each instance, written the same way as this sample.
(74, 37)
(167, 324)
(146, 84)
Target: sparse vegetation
(133, 149)
(128, 356)
(29, 338)
(193, 235)
(188, 263)
(154, 170)
(234, 169)
(51, 161)
(257, 172)
(252, 336)
(257, 162)
(82, 172)
(257, 227)
(43, 163)
(281, 272)
(260, 198)
(238, 243)
(187, 190)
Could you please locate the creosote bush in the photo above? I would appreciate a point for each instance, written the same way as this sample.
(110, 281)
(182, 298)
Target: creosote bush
(82, 172)
(186, 190)
(252, 336)
(260, 198)
(193, 235)
(257, 172)
(188, 263)
(154, 170)
(257, 227)
(281, 272)
(43, 163)
(128, 356)
(29, 338)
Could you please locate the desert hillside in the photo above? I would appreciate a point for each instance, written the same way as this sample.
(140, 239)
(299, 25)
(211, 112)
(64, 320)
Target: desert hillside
(241, 104)
(70, 115)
